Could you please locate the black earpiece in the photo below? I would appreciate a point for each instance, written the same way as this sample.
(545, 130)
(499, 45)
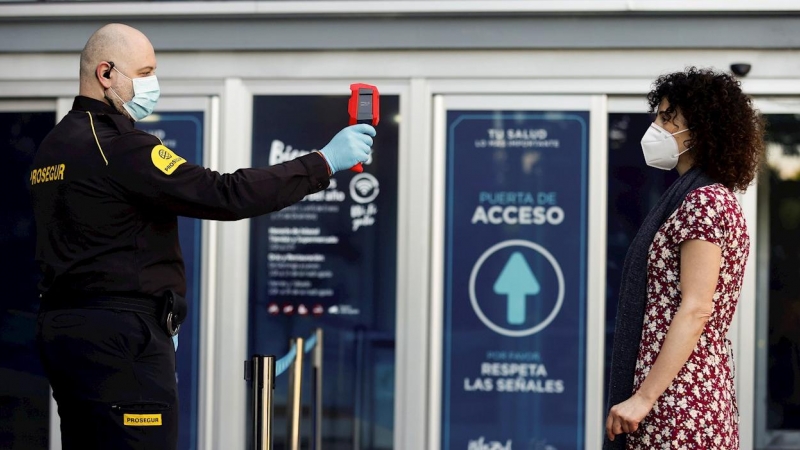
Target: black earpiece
(107, 74)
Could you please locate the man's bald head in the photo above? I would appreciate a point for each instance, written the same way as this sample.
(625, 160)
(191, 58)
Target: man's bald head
(113, 42)
(120, 52)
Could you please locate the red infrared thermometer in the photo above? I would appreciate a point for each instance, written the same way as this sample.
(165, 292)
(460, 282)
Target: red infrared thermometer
(363, 107)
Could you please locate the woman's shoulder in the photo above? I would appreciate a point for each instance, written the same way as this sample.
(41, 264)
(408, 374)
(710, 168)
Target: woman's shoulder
(712, 194)
(714, 197)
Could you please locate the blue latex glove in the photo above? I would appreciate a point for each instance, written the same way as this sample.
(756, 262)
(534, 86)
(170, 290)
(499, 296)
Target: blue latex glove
(349, 147)
(175, 342)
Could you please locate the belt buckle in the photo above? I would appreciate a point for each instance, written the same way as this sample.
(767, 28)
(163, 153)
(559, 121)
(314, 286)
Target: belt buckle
(171, 328)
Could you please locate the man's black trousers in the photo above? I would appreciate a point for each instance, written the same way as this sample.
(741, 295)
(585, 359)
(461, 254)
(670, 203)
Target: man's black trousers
(113, 377)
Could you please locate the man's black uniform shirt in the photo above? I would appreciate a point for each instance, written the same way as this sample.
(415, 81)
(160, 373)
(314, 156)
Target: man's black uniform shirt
(106, 199)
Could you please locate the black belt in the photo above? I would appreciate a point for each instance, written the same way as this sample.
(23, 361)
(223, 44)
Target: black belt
(170, 310)
(139, 304)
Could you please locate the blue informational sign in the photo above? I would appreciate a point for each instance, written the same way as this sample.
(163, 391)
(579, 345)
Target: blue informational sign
(182, 132)
(329, 262)
(515, 280)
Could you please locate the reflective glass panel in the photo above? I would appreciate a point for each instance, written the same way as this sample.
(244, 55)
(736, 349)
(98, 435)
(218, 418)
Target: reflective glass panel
(633, 190)
(24, 390)
(779, 220)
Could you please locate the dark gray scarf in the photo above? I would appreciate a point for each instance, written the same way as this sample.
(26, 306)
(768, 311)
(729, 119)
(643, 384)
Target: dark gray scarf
(633, 293)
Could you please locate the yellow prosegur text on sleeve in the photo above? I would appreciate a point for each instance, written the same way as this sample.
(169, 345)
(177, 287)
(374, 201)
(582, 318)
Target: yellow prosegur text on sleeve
(49, 173)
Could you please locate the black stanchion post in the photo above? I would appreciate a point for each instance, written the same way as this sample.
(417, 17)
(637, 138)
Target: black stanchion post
(268, 391)
(317, 388)
(260, 370)
(295, 387)
(359, 386)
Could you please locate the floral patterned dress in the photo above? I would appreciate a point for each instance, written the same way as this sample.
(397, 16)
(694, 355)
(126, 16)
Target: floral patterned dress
(698, 410)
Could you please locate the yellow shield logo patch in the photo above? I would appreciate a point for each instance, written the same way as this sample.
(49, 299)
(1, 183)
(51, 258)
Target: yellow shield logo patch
(142, 420)
(165, 160)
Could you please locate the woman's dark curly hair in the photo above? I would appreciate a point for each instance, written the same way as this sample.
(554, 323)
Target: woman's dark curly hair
(727, 132)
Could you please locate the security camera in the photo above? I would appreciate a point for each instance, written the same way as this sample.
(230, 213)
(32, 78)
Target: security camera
(740, 69)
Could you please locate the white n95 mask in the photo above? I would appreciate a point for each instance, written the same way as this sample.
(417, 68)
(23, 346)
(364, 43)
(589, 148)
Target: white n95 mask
(660, 147)
(145, 96)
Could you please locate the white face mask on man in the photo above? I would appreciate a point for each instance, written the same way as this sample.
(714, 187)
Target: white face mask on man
(660, 147)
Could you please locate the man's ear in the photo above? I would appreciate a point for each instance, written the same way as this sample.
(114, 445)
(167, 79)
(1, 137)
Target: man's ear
(103, 73)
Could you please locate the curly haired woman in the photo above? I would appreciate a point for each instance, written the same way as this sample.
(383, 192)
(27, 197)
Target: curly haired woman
(672, 373)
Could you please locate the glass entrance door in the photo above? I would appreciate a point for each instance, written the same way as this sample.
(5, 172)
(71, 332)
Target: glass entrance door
(182, 124)
(330, 262)
(633, 190)
(24, 391)
(778, 280)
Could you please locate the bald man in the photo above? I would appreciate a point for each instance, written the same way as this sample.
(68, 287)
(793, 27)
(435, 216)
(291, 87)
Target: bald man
(106, 200)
